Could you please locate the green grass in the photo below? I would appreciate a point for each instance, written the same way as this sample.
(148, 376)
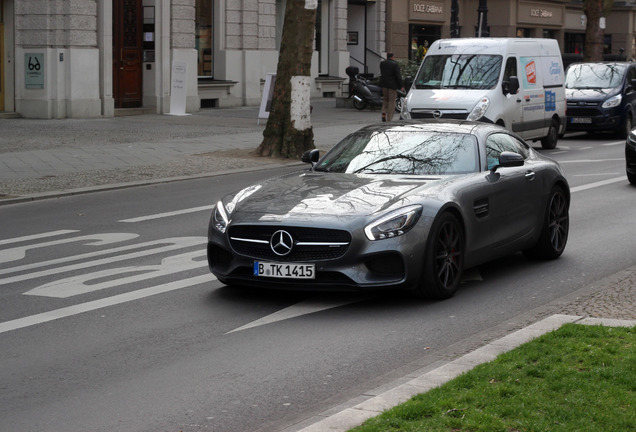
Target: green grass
(578, 378)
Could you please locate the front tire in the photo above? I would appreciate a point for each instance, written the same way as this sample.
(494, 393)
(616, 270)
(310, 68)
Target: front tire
(627, 126)
(549, 142)
(359, 105)
(555, 227)
(443, 259)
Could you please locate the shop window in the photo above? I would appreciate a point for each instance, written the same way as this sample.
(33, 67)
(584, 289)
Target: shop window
(203, 38)
(549, 34)
(421, 37)
(523, 32)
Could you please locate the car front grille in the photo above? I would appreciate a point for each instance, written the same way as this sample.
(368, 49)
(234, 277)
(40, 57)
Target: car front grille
(429, 115)
(582, 112)
(309, 244)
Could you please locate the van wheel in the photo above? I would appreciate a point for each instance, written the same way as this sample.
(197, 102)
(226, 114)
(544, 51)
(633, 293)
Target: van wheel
(627, 126)
(550, 141)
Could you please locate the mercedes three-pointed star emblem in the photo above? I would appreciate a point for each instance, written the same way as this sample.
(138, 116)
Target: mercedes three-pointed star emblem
(281, 243)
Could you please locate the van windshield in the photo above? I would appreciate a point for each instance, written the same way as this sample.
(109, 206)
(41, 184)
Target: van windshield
(459, 71)
(594, 75)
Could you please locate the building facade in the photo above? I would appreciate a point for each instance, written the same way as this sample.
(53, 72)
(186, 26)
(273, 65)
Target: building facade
(412, 24)
(92, 58)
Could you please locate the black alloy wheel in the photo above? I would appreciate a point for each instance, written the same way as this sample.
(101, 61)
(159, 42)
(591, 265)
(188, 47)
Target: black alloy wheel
(556, 225)
(444, 259)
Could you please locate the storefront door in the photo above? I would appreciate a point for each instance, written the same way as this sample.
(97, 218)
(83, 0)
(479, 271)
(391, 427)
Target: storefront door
(127, 53)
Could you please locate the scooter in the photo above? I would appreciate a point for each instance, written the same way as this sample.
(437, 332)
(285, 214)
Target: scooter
(365, 93)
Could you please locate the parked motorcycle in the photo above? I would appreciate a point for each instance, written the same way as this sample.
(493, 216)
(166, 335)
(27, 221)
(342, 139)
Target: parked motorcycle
(364, 92)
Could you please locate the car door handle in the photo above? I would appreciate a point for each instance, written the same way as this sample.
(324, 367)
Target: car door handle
(530, 175)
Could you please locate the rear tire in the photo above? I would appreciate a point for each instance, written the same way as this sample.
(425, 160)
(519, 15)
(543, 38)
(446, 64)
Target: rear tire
(555, 228)
(631, 177)
(550, 141)
(443, 259)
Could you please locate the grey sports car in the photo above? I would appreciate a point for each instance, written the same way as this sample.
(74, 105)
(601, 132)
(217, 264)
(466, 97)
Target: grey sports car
(401, 204)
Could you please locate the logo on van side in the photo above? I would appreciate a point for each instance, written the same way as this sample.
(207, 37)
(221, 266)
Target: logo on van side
(531, 72)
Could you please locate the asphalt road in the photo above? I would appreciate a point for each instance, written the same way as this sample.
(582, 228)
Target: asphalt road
(110, 320)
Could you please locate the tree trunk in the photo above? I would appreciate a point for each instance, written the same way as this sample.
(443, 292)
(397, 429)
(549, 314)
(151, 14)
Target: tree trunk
(594, 34)
(288, 133)
(593, 50)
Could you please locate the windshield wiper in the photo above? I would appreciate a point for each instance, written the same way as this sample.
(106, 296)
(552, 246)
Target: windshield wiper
(453, 86)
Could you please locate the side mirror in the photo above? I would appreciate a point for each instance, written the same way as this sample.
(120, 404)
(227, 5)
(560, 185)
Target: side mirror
(511, 86)
(311, 156)
(508, 159)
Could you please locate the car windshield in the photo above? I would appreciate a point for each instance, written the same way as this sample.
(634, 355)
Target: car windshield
(402, 152)
(465, 71)
(594, 76)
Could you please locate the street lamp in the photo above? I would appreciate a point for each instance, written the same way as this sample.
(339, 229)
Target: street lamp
(454, 21)
(482, 24)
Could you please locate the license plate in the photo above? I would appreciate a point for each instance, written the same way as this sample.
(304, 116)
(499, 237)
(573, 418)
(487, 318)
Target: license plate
(284, 270)
(581, 120)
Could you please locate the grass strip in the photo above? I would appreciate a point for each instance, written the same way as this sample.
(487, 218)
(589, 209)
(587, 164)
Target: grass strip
(578, 378)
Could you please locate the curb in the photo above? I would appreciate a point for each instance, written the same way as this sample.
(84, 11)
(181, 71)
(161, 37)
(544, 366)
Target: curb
(378, 403)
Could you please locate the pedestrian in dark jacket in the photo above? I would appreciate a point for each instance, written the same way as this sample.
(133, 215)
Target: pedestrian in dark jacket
(390, 81)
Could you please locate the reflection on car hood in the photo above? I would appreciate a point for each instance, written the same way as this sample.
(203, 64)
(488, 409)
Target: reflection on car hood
(330, 194)
(589, 94)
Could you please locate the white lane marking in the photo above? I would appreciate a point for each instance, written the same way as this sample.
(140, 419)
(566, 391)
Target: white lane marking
(36, 236)
(18, 253)
(591, 160)
(173, 244)
(303, 308)
(102, 303)
(167, 214)
(77, 285)
(595, 175)
(598, 184)
(614, 143)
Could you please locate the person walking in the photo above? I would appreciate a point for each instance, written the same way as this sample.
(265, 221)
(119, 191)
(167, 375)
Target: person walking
(390, 81)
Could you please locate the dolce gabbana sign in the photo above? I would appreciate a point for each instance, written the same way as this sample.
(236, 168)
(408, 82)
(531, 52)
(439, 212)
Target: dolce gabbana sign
(427, 10)
(543, 13)
(531, 14)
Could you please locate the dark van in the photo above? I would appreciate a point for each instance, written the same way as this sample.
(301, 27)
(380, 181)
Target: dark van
(601, 97)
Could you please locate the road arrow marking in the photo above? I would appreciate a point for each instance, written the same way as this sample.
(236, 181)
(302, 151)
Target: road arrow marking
(102, 303)
(303, 308)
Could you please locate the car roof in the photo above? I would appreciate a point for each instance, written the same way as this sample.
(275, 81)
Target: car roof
(434, 125)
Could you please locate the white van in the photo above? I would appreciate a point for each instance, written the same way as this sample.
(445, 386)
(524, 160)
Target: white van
(514, 82)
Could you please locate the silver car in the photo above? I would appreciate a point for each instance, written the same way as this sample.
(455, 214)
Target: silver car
(395, 205)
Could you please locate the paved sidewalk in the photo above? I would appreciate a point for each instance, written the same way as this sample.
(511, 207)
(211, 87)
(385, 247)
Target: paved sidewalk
(39, 158)
(49, 158)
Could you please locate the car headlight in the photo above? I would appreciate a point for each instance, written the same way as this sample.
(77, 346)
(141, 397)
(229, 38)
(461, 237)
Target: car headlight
(613, 101)
(221, 219)
(479, 110)
(394, 224)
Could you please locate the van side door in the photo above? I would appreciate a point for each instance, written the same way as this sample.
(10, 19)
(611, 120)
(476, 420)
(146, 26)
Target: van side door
(512, 113)
(629, 94)
(532, 98)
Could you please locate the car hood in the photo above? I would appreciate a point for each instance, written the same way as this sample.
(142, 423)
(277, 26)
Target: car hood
(444, 98)
(590, 95)
(330, 194)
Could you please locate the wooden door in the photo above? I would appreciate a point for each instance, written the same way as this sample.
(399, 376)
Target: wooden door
(127, 53)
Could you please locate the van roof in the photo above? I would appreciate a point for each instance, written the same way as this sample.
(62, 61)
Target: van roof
(526, 46)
